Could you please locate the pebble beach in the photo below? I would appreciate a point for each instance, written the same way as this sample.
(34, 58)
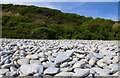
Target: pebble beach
(54, 58)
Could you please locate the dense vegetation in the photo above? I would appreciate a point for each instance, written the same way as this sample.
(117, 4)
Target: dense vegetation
(20, 21)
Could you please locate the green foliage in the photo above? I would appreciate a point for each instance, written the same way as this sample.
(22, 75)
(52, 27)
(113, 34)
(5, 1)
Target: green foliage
(31, 22)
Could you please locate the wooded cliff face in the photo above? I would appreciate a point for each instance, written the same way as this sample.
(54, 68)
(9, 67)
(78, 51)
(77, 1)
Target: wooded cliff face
(32, 22)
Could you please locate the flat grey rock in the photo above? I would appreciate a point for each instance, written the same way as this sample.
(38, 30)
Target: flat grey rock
(48, 64)
(97, 55)
(6, 66)
(51, 70)
(11, 73)
(114, 67)
(61, 57)
(3, 71)
(39, 68)
(31, 69)
(81, 72)
(35, 62)
(104, 51)
(27, 70)
(69, 52)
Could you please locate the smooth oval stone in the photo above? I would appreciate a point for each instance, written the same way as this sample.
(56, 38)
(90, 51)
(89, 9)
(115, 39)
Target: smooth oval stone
(64, 64)
(51, 70)
(81, 72)
(79, 64)
(35, 62)
(66, 69)
(34, 56)
(97, 55)
(101, 63)
(115, 60)
(49, 53)
(23, 61)
(3, 71)
(71, 62)
(80, 55)
(92, 61)
(94, 49)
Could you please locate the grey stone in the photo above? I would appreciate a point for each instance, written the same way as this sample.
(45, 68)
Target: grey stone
(48, 64)
(23, 61)
(6, 66)
(66, 69)
(12, 69)
(50, 58)
(79, 64)
(69, 52)
(31, 69)
(64, 64)
(35, 62)
(34, 56)
(92, 61)
(39, 68)
(3, 71)
(115, 59)
(11, 73)
(51, 70)
(104, 51)
(61, 74)
(27, 70)
(81, 72)
(61, 57)
(97, 55)
(114, 67)
(101, 63)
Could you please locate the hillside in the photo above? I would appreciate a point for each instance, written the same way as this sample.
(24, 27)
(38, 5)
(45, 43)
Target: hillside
(32, 22)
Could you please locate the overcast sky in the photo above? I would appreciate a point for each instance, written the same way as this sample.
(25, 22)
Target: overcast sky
(107, 10)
